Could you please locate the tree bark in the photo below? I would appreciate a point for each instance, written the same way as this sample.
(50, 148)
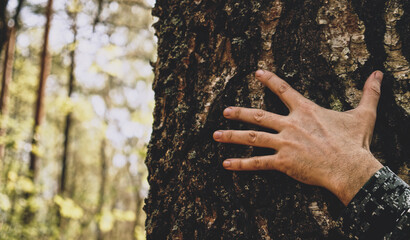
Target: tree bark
(68, 121)
(44, 72)
(3, 24)
(7, 76)
(101, 194)
(10, 33)
(208, 52)
(71, 82)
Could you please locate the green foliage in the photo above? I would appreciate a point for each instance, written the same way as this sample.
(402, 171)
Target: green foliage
(110, 112)
(68, 208)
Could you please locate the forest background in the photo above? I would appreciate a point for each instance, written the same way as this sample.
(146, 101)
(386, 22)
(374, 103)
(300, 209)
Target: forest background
(72, 156)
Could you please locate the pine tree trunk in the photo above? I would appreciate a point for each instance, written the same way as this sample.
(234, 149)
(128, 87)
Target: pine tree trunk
(6, 79)
(101, 194)
(3, 24)
(10, 33)
(208, 52)
(67, 128)
(44, 72)
(68, 120)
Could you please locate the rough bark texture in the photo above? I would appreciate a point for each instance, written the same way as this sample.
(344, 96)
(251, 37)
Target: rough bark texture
(207, 54)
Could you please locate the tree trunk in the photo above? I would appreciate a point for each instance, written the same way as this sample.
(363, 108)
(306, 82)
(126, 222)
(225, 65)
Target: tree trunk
(44, 72)
(71, 81)
(7, 76)
(3, 24)
(68, 120)
(8, 67)
(208, 52)
(101, 195)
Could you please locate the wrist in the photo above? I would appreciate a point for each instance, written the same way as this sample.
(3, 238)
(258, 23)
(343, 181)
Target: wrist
(359, 169)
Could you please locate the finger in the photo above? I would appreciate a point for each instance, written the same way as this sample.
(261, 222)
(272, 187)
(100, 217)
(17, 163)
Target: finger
(251, 164)
(252, 138)
(289, 96)
(256, 116)
(371, 92)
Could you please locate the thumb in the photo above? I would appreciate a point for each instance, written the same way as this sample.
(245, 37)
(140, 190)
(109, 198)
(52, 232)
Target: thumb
(371, 91)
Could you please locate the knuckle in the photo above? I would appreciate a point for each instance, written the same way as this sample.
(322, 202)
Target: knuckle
(258, 116)
(281, 163)
(292, 125)
(307, 106)
(267, 164)
(257, 163)
(288, 122)
(239, 164)
(375, 89)
(271, 78)
(252, 137)
(237, 112)
(283, 87)
(228, 135)
(369, 113)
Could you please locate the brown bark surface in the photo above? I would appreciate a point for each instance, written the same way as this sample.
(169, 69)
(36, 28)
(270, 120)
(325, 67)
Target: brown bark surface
(44, 72)
(6, 79)
(3, 24)
(10, 34)
(101, 194)
(208, 52)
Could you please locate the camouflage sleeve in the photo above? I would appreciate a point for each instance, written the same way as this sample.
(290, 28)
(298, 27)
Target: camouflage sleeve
(380, 210)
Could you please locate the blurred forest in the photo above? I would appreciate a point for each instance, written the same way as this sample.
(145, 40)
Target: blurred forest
(76, 114)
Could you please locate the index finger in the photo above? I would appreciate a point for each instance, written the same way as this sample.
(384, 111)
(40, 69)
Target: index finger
(289, 96)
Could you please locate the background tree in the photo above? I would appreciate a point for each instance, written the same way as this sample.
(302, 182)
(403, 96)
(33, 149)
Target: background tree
(44, 72)
(10, 33)
(5, 82)
(112, 104)
(3, 23)
(208, 52)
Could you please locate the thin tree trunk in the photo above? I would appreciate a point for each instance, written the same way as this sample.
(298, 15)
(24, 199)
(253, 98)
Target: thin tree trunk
(101, 196)
(44, 72)
(28, 215)
(208, 52)
(7, 73)
(3, 24)
(138, 204)
(68, 119)
(139, 201)
(71, 83)
(7, 76)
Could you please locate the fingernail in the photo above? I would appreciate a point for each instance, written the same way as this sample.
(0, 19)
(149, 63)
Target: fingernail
(259, 73)
(227, 112)
(379, 76)
(217, 134)
(226, 163)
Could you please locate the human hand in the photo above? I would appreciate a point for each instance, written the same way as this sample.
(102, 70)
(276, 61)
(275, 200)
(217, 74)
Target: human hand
(314, 145)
